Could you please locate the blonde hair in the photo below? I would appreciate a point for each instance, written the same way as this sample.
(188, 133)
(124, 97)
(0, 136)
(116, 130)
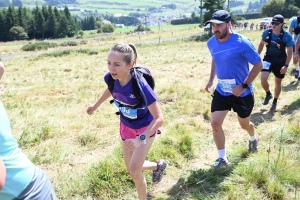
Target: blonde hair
(129, 51)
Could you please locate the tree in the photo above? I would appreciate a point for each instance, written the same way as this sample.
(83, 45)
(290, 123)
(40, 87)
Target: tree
(51, 23)
(72, 29)
(2, 25)
(31, 28)
(17, 33)
(63, 28)
(297, 3)
(273, 7)
(108, 28)
(211, 6)
(23, 15)
(39, 21)
(98, 24)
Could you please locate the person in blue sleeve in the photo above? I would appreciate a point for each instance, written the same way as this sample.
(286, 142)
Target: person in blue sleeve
(139, 121)
(231, 54)
(20, 179)
(279, 48)
(295, 29)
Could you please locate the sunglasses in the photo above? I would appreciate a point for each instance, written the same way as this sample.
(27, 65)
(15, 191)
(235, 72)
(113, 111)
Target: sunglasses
(275, 23)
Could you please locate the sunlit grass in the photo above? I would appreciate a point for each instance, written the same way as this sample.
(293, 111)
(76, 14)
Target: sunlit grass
(47, 97)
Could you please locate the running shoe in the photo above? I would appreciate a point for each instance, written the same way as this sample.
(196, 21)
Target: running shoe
(253, 145)
(273, 107)
(221, 162)
(267, 99)
(158, 174)
(296, 74)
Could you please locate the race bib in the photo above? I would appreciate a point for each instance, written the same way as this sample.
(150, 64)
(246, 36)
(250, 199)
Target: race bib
(127, 111)
(227, 85)
(266, 65)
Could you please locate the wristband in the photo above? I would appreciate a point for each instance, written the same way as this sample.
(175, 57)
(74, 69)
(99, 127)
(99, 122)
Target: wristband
(286, 65)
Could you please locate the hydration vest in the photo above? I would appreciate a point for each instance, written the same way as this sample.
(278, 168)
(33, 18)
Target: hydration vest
(280, 44)
(139, 74)
(297, 29)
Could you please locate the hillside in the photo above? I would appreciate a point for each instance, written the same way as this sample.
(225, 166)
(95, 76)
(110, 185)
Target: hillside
(124, 7)
(46, 96)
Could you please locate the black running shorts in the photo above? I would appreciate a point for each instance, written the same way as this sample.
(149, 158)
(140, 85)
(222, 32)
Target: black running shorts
(243, 106)
(276, 65)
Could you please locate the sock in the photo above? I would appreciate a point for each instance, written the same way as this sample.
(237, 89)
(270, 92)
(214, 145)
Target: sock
(222, 154)
(268, 93)
(275, 100)
(252, 138)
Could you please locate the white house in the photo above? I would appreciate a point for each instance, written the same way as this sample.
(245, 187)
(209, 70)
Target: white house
(120, 25)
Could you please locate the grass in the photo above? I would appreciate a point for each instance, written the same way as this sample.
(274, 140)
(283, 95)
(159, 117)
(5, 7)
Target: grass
(46, 98)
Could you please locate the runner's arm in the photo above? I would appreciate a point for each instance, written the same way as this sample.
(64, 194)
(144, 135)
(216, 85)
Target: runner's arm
(2, 174)
(211, 76)
(289, 55)
(297, 45)
(212, 71)
(260, 46)
(2, 68)
(106, 94)
(157, 121)
(291, 30)
(254, 72)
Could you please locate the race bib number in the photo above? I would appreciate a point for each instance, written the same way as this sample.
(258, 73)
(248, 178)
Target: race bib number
(127, 111)
(227, 85)
(266, 65)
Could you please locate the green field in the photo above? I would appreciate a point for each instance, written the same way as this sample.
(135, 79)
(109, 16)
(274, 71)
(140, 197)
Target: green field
(46, 98)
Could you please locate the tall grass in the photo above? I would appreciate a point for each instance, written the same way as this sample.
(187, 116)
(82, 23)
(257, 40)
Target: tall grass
(46, 98)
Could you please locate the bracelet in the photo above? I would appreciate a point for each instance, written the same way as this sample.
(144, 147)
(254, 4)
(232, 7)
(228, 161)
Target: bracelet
(286, 65)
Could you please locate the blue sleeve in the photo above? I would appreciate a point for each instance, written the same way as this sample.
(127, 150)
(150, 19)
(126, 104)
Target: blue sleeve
(293, 23)
(264, 34)
(288, 39)
(106, 77)
(250, 52)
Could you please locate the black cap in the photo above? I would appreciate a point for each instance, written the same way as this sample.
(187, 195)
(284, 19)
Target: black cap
(278, 18)
(219, 17)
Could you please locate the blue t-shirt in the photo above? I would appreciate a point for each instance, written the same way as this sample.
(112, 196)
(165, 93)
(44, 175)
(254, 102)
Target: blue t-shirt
(124, 96)
(294, 24)
(273, 50)
(232, 59)
(19, 170)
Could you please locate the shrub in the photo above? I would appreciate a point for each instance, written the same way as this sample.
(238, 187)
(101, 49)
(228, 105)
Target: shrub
(83, 42)
(38, 46)
(69, 43)
(80, 34)
(57, 53)
(18, 33)
(108, 28)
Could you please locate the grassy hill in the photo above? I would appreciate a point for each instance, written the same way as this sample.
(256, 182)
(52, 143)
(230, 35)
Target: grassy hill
(47, 94)
(126, 6)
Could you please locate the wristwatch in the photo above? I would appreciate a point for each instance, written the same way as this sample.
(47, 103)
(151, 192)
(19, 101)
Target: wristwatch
(245, 85)
(286, 65)
(143, 138)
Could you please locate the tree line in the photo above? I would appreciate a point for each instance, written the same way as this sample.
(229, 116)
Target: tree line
(45, 22)
(48, 22)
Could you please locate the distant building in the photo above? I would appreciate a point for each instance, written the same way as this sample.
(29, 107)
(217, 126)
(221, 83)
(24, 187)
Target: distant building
(118, 15)
(120, 25)
(106, 21)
